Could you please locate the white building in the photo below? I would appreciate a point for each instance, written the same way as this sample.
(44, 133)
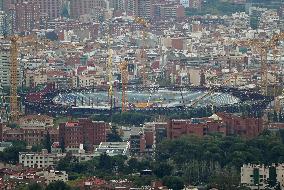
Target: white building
(5, 68)
(257, 176)
(113, 148)
(52, 176)
(39, 160)
(184, 3)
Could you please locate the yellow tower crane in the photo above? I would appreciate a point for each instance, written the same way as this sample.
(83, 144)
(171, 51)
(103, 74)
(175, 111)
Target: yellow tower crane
(263, 47)
(109, 68)
(14, 110)
(124, 80)
(14, 66)
(145, 25)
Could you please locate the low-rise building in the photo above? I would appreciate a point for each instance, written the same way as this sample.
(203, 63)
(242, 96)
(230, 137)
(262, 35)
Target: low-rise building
(113, 148)
(31, 135)
(39, 160)
(52, 176)
(35, 121)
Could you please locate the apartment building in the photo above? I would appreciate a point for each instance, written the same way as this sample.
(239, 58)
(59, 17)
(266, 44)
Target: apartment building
(51, 8)
(196, 126)
(5, 67)
(84, 131)
(36, 121)
(137, 143)
(39, 160)
(140, 8)
(27, 16)
(256, 177)
(30, 135)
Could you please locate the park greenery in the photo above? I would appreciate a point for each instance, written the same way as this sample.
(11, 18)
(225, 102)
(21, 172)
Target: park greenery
(212, 160)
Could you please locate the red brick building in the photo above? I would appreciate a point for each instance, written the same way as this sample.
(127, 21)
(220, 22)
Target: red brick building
(242, 126)
(30, 135)
(84, 131)
(199, 126)
(225, 123)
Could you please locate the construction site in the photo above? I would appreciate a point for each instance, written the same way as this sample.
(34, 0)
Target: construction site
(131, 79)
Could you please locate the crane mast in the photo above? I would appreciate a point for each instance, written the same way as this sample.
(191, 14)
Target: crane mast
(124, 80)
(14, 112)
(143, 22)
(109, 66)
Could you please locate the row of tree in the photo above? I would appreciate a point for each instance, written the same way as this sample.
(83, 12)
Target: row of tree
(213, 160)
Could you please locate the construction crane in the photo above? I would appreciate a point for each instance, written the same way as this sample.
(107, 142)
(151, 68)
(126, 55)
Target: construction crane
(109, 69)
(14, 107)
(14, 51)
(145, 25)
(124, 81)
(263, 47)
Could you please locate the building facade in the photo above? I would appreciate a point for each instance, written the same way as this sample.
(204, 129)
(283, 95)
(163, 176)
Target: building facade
(85, 131)
(198, 126)
(27, 16)
(38, 160)
(257, 176)
(30, 135)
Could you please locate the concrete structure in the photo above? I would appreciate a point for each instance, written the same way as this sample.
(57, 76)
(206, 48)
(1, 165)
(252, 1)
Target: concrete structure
(113, 148)
(257, 176)
(39, 160)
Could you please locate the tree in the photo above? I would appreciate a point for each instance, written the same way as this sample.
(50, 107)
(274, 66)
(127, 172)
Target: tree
(58, 185)
(113, 136)
(162, 169)
(35, 186)
(37, 148)
(173, 182)
(11, 154)
(133, 164)
(105, 162)
(47, 142)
